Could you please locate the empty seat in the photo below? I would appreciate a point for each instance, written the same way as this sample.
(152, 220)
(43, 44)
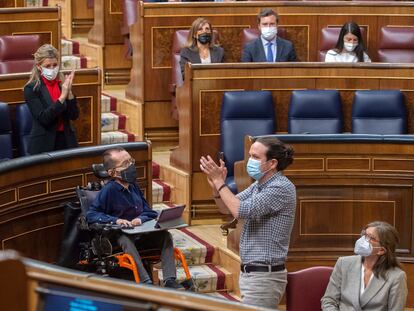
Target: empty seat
(23, 128)
(379, 112)
(243, 113)
(396, 45)
(306, 287)
(315, 112)
(16, 53)
(329, 38)
(5, 132)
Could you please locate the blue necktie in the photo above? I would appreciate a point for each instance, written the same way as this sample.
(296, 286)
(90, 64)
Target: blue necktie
(269, 53)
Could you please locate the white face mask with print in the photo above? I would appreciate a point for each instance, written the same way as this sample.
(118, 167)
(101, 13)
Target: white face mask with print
(50, 74)
(268, 33)
(350, 46)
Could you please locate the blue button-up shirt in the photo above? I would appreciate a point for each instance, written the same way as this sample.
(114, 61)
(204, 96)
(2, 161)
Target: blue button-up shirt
(115, 201)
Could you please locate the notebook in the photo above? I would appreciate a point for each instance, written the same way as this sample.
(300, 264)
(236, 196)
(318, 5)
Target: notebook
(169, 218)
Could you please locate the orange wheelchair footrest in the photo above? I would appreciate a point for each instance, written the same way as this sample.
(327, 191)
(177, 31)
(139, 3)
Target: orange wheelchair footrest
(126, 261)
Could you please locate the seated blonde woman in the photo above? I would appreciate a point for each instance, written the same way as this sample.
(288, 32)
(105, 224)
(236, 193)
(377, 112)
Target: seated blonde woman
(372, 280)
(350, 47)
(200, 48)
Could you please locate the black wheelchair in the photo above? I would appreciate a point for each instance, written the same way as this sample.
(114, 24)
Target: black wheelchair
(93, 248)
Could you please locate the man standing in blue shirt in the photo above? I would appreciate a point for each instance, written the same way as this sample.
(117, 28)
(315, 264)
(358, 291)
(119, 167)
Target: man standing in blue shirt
(121, 202)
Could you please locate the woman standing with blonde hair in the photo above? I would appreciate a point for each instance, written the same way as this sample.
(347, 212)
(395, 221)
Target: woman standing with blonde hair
(51, 103)
(199, 48)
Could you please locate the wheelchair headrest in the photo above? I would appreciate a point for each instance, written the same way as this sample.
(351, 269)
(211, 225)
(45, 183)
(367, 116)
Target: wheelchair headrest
(86, 197)
(100, 171)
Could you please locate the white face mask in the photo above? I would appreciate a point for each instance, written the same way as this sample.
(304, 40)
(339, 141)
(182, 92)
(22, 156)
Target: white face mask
(268, 33)
(50, 74)
(363, 247)
(350, 46)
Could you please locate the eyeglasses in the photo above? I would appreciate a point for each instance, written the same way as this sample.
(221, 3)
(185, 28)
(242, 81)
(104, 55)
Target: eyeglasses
(368, 237)
(126, 163)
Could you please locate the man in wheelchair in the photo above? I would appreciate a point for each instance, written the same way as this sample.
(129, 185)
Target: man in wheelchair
(121, 202)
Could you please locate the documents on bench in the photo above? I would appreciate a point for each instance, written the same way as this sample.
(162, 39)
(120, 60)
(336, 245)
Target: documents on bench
(169, 218)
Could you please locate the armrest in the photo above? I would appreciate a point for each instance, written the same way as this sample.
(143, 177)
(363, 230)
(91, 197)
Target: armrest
(241, 177)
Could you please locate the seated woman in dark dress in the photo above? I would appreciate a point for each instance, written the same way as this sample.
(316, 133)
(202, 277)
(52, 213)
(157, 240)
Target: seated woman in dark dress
(200, 48)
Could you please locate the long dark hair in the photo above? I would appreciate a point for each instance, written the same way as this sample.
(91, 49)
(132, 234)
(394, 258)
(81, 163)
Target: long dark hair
(388, 239)
(354, 29)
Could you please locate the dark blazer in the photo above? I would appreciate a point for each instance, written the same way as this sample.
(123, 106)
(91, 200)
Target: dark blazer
(254, 51)
(45, 114)
(187, 55)
(342, 293)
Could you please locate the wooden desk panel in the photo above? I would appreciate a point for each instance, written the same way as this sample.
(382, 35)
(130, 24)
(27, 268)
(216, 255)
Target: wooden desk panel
(43, 21)
(86, 87)
(151, 38)
(199, 102)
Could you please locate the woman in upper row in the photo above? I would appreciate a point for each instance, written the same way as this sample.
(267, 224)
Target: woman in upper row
(200, 48)
(350, 47)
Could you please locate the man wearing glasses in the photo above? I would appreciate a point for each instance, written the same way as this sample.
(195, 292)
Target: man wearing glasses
(121, 202)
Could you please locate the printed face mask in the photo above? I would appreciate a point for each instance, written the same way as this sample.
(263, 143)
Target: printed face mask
(350, 46)
(50, 74)
(268, 33)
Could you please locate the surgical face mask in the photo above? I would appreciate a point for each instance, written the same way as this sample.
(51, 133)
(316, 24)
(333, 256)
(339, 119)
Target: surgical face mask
(204, 38)
(268, 33)
(50, 74)
(363, 247)
(350, 46)
(254, 169)
(129, 174)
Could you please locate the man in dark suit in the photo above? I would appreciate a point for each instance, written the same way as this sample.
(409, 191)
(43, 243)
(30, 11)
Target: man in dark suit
(268, 47)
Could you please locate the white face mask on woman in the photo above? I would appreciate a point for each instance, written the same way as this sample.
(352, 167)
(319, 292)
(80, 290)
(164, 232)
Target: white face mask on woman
(350, 46)
(50, 74)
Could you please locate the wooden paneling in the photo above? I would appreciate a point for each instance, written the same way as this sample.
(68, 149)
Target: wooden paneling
(199, 101)
(151, 38)
(32, 197)
(106, 33)
(77, 17)
(86, 87)
(43, 21)
(152, 35)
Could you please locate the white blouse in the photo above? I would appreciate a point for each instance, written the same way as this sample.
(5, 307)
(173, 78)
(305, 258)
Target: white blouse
(363, 287)
(206, 60)
(345, 57)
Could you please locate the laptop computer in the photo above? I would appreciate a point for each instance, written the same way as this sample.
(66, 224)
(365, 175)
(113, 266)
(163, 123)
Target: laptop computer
(169, 218)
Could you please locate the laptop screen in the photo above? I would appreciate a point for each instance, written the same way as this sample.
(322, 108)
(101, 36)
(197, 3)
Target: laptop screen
(171, 213)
